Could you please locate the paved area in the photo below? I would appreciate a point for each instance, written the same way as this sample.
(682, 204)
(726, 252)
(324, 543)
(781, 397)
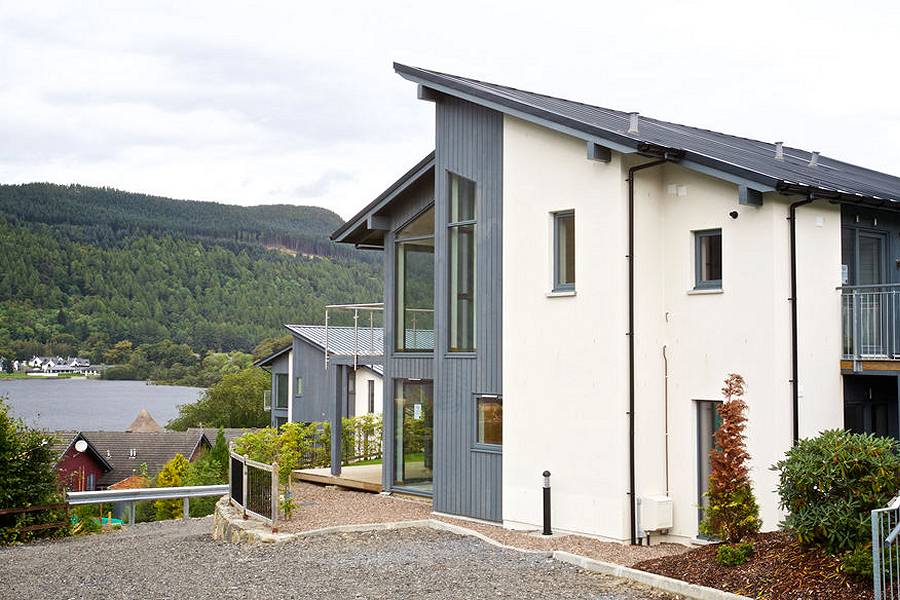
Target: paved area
(173, 559)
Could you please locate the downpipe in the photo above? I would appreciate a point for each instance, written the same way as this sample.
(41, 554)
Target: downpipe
(631, 446)
(795, 368)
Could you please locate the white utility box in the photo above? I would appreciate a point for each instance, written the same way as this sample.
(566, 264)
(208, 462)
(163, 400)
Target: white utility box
(656, 513)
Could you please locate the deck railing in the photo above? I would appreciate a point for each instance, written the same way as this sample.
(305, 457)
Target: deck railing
(367, 324)
(886, 551)
(871, 321)
(253, 487)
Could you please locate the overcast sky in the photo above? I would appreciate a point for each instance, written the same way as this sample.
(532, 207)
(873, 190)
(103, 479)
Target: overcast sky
(297, 102)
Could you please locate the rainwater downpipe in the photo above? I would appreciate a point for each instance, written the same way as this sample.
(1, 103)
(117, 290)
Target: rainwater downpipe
(795, 369)
(631, 450)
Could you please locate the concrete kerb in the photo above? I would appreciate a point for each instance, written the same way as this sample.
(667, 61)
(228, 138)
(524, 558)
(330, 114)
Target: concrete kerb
(231, 527)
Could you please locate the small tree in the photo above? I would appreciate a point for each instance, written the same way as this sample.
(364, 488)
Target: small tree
(171, 475)
(733, 514)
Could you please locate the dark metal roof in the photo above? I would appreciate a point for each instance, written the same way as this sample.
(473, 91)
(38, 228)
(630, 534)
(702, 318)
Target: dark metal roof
(708, 151)
(154, 448)
(355, 230)
(343, 341)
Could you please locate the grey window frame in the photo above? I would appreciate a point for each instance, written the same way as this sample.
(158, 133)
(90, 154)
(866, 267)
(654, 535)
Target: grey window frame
(298, 386)
(481, 446)
(559, 286)
(709, 284)
(371, 392)
(700, 404)
(277, 391)
(451, 225)
(400, 303)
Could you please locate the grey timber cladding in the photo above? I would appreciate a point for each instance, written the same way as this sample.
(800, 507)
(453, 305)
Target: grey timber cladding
(279, 365)
(469, 142)
(319, 386)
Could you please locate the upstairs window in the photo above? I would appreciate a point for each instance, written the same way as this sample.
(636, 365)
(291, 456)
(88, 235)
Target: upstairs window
(281, 390)
(461, 232)
(708, 259)
(564, 251)
(415, 284)
(489, 420)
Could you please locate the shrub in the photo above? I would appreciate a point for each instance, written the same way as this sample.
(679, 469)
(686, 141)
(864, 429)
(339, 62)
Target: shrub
(732, 514)
(734, 555)
(858, 562)
(171, 475)
(830, 483)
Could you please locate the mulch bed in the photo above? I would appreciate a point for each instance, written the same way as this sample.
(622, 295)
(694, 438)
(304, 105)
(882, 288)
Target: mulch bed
(780, 569)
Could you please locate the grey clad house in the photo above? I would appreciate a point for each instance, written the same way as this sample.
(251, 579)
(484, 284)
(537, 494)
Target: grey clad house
(305, 389)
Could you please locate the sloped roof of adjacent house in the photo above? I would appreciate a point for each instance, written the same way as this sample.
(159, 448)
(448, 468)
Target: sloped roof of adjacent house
(212, 432)
(343, 341)
(153, 448)
(144, 423)
(741, 160)
(64, 440)
(265, 362)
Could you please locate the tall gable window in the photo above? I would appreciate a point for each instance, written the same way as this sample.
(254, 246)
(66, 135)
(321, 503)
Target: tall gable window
(708, 259)
(461, 230)
(415, 284)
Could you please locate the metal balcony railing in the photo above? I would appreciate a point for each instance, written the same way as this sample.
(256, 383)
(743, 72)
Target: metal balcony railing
(870, 317)
(364, 338)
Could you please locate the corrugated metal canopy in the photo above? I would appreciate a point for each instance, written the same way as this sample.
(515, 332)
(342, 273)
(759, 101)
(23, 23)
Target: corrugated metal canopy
(342, 340)
(746, 158)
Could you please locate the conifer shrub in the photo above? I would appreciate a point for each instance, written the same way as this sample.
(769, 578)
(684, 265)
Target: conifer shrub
(733, 514)
(171, 475)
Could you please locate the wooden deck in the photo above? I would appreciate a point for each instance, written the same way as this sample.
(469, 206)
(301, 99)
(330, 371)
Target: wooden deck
(366, 478)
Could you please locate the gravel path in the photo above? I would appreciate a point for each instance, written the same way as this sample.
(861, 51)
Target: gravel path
(173, 559)
(327, 506)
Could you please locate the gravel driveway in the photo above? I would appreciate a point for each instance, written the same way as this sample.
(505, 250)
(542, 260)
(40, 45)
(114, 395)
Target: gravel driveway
(179, 560)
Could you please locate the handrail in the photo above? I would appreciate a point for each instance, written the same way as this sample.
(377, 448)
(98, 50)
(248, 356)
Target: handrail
(141, 494)
(867, 286)
(371, 308)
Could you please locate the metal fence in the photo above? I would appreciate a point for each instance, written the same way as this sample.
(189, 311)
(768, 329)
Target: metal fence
(886, 551)
(130, 497)
(870, 316)
(253, 487)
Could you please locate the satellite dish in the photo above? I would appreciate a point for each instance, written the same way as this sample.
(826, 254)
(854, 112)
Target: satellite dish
(81, 445)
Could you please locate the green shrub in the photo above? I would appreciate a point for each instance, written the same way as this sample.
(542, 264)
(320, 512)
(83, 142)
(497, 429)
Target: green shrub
(858, 562)
(171, 475)
(830, 483)
(87, 520)
(732, 555)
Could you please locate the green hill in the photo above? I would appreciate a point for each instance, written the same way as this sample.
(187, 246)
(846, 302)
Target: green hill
(83, 268)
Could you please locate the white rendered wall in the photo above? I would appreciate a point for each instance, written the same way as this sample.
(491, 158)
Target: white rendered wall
(565, 369)
(363, 376)
(565, 359)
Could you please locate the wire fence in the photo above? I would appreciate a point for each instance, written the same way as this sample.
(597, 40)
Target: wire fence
(253, 487)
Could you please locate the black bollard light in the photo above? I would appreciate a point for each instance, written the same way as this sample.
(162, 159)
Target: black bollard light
(547, 530)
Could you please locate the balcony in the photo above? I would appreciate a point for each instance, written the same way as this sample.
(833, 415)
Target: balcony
(353, 330)
(870, 317)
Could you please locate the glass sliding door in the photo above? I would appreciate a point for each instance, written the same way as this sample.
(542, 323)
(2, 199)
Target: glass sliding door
(413, 435)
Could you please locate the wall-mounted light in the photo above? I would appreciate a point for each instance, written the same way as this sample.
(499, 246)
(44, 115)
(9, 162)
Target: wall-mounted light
(733, 214)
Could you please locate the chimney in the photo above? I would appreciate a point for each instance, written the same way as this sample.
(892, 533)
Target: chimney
(633, 122)
(813, 159)
(779, 150)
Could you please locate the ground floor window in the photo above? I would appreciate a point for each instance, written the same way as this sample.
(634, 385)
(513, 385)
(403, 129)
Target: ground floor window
(488, 420)
(281, 390)
(708, 422)
(371, 396)
(279, 421)
(413, 434)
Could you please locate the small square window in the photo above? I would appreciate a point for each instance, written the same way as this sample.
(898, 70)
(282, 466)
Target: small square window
(489, 420)
(564, 251)
(708, 259)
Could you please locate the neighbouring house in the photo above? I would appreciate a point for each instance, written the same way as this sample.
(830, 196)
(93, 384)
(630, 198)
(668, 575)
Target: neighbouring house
(80, 466)
(304, 390)
(211, 433)
(583, 279)
(58, 364)
(126, 451)
(144, 423)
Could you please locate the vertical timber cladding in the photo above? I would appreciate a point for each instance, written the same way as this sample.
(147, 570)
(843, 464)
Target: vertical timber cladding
(469, 142)
(317, 400)
(398, 365)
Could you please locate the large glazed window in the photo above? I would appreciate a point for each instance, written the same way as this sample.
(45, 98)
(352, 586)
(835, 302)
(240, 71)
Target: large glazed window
(708, 422)
(415, 285)
(413, 434)
(461, 230)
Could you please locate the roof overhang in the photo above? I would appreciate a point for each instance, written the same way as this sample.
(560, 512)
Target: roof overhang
(265, 362)
(367, 228)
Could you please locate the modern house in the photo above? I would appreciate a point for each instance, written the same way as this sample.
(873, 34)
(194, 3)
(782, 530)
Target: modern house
(567, 286)
(304, 390)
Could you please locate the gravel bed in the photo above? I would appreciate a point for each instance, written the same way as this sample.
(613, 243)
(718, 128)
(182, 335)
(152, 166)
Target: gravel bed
(329, 506)
(173, 559)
